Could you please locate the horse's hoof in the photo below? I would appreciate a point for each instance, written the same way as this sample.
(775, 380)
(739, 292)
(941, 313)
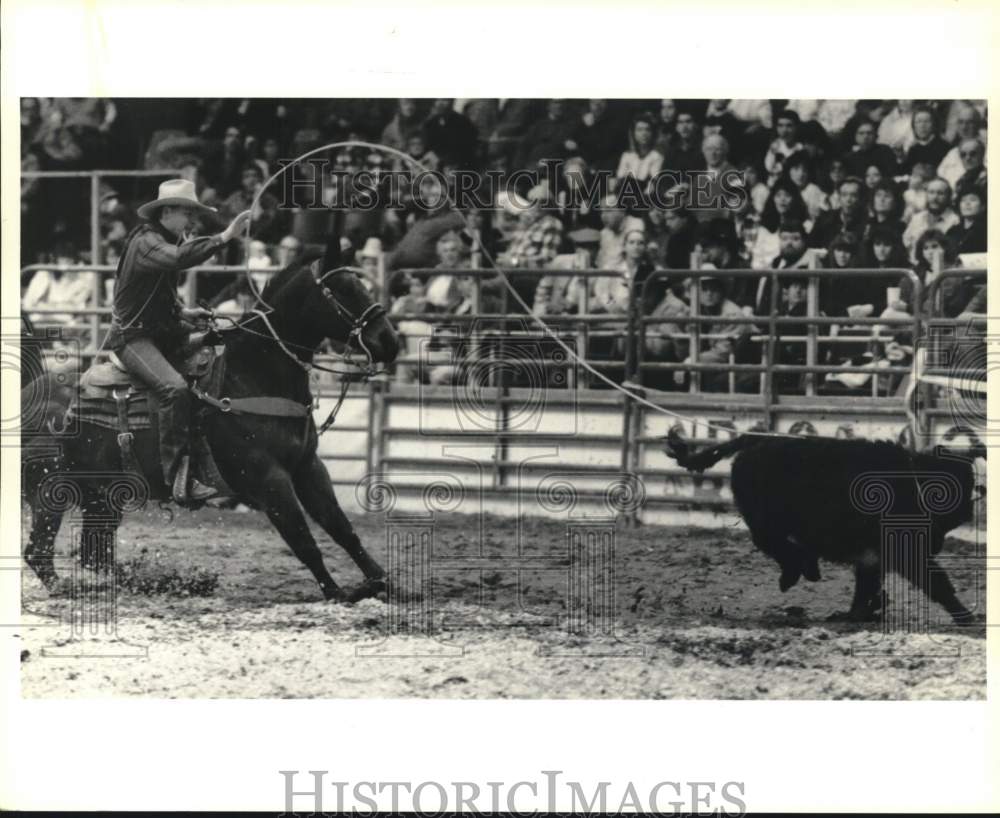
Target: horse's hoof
(366, 590)
(788, 578)
(811, 570)
(334, 594)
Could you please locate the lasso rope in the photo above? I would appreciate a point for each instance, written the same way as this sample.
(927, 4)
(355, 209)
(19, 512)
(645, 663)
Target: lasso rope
(496, 268)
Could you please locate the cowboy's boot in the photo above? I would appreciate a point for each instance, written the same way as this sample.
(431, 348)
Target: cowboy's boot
(186, 488)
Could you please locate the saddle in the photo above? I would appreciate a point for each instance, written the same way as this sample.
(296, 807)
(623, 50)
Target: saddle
(110, 397)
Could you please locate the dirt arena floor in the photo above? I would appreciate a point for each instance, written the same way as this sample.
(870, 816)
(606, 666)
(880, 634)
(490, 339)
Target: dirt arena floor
(698, 614)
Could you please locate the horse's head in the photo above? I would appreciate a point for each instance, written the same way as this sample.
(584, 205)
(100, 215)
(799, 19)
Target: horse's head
(352, 318)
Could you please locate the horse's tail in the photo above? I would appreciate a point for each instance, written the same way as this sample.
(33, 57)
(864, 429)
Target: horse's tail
(680, 450)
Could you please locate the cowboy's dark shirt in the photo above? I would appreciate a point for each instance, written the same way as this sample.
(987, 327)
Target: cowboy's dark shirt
(146, 302)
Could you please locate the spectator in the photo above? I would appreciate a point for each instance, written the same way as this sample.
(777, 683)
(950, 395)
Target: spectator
(721, 120)
(416, 149)
(758, 191)
(597, 137)
(289, 251)
(447, 292)
(934, 253)
(610, 294)
(616, 225)
(224, 172)
(561, 294)
(537, 238)
(799, 169)
(787, 143)
(369, 259)
(938, 216)
(642, 161)
(926, 147)
(575, 199)
(850, 217)
(852, 296)
(715, 150)
(886, 206)
(873, 177)
(404, 124)
(512, 118)
(791, 348)
(672, 238)
(896, 127)
(71, 290)
(915, 195)
(668, 120)
(884, 249)
(719, 339)
(834, 173)
(968, 124)
(784, 204)
(682, 150)
(972, 152)
(793, 254)
(867, 152)
(268, 224)
(546, 138)
(969, 235)
(451, 135)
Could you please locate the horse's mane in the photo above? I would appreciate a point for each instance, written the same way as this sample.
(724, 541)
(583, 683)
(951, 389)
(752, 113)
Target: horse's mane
(281, 279)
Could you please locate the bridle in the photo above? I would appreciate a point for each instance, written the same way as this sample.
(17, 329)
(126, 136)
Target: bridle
(355, 338)
(358, 324)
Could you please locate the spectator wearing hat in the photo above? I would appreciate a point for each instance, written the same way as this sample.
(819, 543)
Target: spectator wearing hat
(926, 146)
(641, 161)
(615, 225)
(562, 294)
(937, 216)
(720, 340)
(786, 126)
(867, 152)
(851, 215)
(597, 136)
(969, 235)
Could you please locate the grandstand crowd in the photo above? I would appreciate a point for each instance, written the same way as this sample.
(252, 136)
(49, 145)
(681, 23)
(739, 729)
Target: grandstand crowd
(825, 184)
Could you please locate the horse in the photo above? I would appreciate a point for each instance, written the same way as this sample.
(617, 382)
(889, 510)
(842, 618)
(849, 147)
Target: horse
(271, 461)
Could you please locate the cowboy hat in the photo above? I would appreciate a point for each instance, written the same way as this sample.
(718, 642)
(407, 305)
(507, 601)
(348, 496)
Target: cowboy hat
(175, 193)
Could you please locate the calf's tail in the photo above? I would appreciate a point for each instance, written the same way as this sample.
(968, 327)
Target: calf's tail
(680, 450)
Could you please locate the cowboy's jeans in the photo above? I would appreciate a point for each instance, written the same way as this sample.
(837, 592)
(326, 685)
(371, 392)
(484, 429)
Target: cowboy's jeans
(170, 396)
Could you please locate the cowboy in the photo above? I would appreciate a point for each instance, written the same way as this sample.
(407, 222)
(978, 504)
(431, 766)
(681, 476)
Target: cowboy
(148, 329)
